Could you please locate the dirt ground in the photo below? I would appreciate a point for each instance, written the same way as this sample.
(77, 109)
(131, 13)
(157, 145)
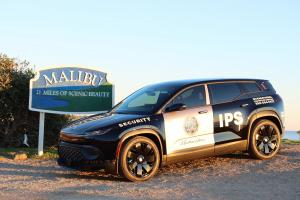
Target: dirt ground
(228, 177)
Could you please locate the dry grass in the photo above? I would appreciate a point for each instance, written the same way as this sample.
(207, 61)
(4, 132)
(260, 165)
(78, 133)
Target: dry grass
(9, 153)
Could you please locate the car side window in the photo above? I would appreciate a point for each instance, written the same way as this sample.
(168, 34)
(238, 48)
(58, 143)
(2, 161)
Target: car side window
(224, 92)
(193, 97)
(250, 87)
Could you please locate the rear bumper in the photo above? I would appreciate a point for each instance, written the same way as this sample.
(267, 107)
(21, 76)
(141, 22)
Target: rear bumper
(83, 157)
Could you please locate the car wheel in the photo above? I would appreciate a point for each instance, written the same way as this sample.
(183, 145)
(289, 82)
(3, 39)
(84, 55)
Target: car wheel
(139, 159)
(265, 140)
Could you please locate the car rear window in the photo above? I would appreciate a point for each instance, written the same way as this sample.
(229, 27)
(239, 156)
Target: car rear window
(224, 92)
(267, 86)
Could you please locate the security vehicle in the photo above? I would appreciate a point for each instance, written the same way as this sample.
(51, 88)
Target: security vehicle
(176, 121)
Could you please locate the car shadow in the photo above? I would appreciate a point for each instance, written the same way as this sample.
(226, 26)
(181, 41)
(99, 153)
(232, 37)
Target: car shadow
(238, 155)
(53, 172)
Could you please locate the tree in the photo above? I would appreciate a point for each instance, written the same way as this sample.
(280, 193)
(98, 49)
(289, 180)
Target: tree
(6, 67)
(15, 118)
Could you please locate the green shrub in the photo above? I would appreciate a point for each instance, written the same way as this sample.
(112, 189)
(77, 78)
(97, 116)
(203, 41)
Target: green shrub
(15, 118)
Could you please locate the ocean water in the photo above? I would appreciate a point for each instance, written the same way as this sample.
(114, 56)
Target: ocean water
(291, 135)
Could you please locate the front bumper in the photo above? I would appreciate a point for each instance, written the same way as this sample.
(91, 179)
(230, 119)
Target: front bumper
(83, 157)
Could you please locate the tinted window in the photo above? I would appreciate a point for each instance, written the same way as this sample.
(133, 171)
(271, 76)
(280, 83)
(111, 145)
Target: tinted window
(250, 87)
(193, 97)
(146, 100)
(223, 92)
(266, 85)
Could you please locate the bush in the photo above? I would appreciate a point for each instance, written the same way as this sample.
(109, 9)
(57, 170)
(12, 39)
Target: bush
(15, 118)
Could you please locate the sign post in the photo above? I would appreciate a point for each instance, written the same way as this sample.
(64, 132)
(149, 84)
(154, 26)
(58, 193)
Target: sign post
(41, 134)
(69, 90)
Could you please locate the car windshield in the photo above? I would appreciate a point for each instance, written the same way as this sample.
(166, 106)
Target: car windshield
(146, 100)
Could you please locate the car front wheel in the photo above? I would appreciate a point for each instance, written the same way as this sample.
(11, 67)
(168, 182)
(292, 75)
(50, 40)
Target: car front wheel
(139, 159)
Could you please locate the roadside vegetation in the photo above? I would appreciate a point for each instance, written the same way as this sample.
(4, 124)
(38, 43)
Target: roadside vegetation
(15, 118)
(287, 141)
(31, 153)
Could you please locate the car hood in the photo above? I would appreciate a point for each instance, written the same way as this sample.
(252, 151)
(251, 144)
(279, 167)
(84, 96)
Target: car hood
(97, 122)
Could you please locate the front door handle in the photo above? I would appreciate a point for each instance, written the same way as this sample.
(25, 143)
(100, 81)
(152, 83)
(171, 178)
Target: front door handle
(244, 105)
(202, 111)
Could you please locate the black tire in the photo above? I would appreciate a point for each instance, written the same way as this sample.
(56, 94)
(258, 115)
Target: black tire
(139, 159)
(265, 140)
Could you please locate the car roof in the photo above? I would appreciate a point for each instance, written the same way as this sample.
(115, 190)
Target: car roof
(189, 82)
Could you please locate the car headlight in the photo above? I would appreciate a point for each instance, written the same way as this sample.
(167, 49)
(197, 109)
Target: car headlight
(100, 132)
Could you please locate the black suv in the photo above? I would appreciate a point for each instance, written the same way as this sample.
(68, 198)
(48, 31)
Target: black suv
(176, 121)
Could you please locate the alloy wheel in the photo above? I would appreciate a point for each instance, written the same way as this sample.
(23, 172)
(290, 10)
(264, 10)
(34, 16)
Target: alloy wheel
(140, 159)
(267, 140)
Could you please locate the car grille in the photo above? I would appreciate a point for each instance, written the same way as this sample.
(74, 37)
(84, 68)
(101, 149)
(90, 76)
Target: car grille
(71, 154)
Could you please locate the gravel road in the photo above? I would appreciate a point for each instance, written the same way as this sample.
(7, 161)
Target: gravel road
(227, 177)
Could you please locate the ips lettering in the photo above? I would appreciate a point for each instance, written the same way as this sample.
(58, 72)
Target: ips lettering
(227, 118)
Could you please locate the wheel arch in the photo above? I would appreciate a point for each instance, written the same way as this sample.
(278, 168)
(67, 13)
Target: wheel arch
(149, 132)
(261, 115)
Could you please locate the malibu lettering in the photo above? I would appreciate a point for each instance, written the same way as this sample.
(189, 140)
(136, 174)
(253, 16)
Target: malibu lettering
(86, 78)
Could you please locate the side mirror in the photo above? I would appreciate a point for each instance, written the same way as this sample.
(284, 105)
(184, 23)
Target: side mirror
(176, 107)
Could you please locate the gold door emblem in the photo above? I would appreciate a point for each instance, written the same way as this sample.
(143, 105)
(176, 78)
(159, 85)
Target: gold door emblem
(191, 125)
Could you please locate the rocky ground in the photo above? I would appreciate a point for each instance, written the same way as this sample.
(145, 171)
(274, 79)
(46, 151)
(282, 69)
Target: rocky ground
(228, 177)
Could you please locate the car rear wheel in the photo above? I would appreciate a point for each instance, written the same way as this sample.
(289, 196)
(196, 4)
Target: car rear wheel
(139, 159)
(265, 140)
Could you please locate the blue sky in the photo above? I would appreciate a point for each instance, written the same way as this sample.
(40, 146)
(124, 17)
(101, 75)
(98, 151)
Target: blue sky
(141, 42)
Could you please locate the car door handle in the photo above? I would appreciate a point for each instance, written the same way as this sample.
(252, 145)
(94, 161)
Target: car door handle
(244, 105)
(202, 111)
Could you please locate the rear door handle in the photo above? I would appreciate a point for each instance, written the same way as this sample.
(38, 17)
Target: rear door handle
(244, 105)
(202, 111)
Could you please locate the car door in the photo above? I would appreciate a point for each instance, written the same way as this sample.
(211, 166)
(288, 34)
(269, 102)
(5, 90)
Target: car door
(231, 108)
(191, 127)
